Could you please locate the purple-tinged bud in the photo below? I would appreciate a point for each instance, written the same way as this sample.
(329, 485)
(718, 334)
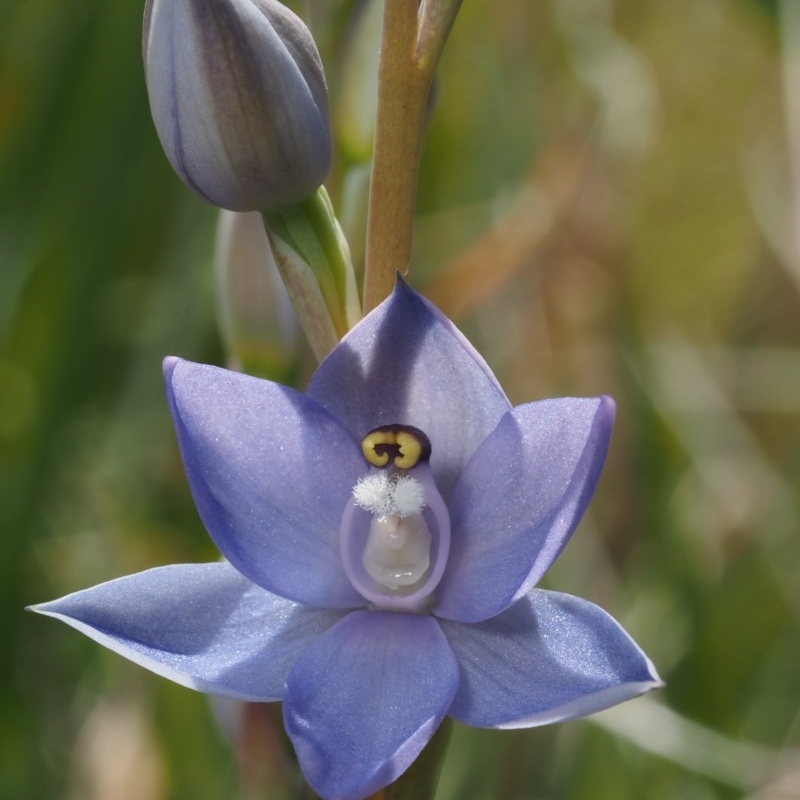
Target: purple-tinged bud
(238, 96)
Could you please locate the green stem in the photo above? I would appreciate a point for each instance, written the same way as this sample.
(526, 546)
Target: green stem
(412, 41)
(436, 18)
(403, 84)
(311, 230)
(314, 260)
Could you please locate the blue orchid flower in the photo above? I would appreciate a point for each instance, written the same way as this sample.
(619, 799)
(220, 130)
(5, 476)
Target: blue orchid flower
(383, 535)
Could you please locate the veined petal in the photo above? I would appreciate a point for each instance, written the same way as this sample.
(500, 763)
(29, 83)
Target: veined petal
(549, 658)
(407, 363)
(363, 700)
(271, 473)
(238, 98)
(518, 501)
(204, 626)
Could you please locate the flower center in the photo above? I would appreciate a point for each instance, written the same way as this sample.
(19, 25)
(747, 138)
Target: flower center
(395, 534)
(397, 552)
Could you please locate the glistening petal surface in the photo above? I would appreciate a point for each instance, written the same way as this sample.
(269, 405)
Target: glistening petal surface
(407, 363)
(549, 658)
(204, 626)
(518, 501)
(271, 473)
(365, 698)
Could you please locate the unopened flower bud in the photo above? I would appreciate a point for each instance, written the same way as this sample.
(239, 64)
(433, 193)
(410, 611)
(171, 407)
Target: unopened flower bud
(259, 327)
(238, 97)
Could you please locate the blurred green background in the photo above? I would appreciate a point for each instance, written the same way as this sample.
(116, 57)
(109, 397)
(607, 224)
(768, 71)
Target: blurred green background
(609, 202)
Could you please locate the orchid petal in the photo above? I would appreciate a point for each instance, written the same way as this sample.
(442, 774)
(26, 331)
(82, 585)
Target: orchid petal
(518, 502)
(204, 626)
(407, 363)
(363, 700)
(549, 658)
(271, 473)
